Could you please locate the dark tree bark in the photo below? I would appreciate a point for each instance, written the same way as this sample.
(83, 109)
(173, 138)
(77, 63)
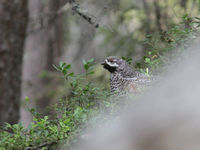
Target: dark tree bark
(183, 4)
(13, 20)
(158, 16)
(148, 19)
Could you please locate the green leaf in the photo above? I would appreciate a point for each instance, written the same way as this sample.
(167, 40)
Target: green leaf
(71, 74)
(46, 118)
(147, 60)
(197, 18)
(32, 110)
(8, 126)
(89, 73)
(91, 60)
(68, 66)
(84, 62)
(64, 72)
(62, 64)
(86, 66)
(27, 99)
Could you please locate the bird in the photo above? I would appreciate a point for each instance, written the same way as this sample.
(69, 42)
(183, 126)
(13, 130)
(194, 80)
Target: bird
(123, 78)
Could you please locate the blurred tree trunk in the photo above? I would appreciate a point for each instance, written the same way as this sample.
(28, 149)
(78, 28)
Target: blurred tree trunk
(158, 16)
(148, 19)
(183, 4)
(43, 45)
(13, 20)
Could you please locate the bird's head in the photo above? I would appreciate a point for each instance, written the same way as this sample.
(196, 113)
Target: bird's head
(113, 63)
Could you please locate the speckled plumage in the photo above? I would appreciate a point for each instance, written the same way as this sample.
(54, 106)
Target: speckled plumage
(123, 78)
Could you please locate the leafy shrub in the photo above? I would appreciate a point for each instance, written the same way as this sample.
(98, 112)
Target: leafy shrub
(163, 49)
(86, 100)
(70, 114)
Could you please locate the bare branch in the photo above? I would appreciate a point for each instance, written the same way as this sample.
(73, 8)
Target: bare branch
(47, 19)
(48, 144)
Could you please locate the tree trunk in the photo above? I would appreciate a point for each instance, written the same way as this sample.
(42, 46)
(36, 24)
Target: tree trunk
(42, 47)
(158, 16)
(13, 20)
(183, 4)
(148, 19)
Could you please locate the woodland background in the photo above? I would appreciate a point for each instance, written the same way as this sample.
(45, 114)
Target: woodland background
(41, 38)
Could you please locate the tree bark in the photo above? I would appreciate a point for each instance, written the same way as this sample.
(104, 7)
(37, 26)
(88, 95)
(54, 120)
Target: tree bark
(183, 4)
(42, 47)
(158, 16)
(148, 19)
(13, 20)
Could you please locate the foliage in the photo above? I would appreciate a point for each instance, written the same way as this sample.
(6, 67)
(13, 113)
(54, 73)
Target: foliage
(149, 30)
(162, 50)
(71, 114)
(86, 100)
(170, 46)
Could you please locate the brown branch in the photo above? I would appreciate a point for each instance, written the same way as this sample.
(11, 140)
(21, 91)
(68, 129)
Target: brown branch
(76, 8)
(48, 144)
(47, 19)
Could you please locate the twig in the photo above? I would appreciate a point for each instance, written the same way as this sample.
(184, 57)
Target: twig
(47, 19)
(48, 144)
(84, 13)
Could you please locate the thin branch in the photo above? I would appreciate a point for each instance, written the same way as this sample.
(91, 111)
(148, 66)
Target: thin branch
(47, 19)
(48, 144)
(76, 8)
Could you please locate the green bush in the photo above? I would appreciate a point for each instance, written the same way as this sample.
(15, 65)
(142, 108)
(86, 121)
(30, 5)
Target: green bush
(166, 48)
(71, 114)
(86, 100)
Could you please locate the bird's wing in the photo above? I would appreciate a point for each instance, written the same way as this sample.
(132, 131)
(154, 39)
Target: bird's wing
(129, 73)
(140, 79)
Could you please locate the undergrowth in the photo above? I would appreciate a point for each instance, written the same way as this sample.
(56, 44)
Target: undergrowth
(70, 115)
(86, 100)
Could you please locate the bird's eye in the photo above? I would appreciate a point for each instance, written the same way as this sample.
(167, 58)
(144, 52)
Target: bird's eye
(111, 60)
